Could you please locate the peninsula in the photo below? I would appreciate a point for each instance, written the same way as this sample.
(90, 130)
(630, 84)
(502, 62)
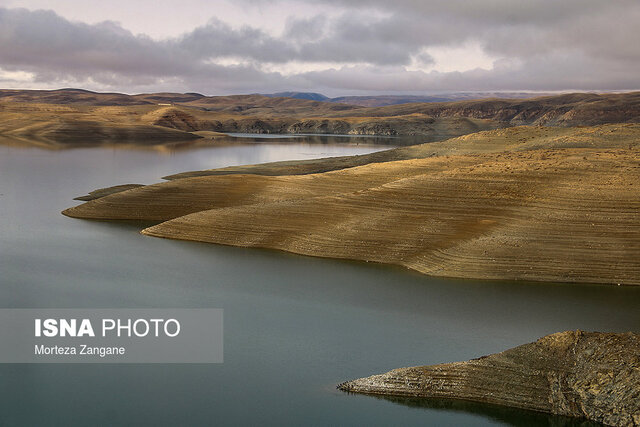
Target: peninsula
(522, 203)
(579, 374)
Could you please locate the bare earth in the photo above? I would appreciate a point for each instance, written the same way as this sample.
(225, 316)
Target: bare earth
(525, 203)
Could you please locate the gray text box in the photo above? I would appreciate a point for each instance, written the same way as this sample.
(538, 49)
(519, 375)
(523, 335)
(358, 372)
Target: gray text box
(111, 335)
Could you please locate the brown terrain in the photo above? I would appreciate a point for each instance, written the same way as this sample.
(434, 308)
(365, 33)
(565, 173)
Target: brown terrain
(70, 117)
(523, 203)
(542, 189)
(579, 374)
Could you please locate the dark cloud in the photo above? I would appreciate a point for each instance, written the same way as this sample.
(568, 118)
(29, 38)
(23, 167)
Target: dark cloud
(305, 29)
(539, 45)
(43, 42)
(512, 28)
(217, 39)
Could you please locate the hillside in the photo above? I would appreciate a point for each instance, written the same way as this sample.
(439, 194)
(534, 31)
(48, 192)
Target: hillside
(64, 125)
(579, 109)
(71, 116)
(549, 204)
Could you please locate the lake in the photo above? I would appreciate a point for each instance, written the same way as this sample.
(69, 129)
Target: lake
(294, 326)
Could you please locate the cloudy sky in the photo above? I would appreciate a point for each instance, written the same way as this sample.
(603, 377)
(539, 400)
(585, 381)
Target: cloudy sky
(336, 47)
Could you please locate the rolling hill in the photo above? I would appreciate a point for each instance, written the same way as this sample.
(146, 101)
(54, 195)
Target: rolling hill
(73, 116)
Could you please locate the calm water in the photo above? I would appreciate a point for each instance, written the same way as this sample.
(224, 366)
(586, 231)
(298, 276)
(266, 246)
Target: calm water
(294, 326)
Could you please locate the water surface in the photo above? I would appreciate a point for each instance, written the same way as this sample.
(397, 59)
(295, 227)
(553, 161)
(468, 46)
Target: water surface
(294, 326)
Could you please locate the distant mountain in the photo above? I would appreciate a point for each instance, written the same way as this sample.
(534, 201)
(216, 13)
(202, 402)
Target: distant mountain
(312, 96)
(384, 100)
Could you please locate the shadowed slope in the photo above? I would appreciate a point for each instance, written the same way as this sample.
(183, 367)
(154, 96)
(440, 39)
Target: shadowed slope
(72, 125)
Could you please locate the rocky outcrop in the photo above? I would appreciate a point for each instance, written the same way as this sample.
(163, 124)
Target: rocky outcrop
(579, 374)
(321, 126)
(432, 129)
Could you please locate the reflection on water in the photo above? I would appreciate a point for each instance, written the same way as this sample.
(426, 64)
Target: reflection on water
(294, 326)
(374, 140)
(502, 414)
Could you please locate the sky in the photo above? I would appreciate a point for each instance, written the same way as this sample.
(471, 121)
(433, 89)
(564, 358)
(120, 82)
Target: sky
(336, 47)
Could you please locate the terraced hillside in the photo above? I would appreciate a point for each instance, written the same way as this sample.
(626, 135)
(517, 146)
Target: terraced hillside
(527, 203)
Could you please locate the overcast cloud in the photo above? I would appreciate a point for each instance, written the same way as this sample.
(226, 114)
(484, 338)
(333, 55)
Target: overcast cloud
(331, 46)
